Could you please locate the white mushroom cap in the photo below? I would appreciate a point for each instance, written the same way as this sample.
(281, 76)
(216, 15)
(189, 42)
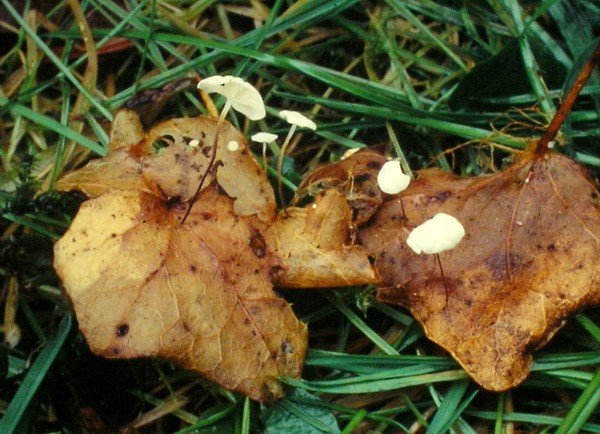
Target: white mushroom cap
(391, 179)
(263, 137)
(438, 234)
(242, 96)
(298, 119)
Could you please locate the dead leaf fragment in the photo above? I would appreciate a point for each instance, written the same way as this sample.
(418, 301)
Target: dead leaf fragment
(198, 294)
(354, 177)
(162, 159)
(530, 258)
(315, 243)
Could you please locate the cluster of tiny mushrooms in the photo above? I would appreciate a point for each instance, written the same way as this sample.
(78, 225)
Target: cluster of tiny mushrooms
(438, 234)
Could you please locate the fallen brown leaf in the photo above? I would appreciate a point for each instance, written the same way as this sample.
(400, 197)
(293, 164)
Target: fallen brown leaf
(530, 258)
(199, 294)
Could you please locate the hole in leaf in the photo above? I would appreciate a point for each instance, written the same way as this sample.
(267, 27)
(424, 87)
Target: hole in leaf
(122, 330)
(163, 142)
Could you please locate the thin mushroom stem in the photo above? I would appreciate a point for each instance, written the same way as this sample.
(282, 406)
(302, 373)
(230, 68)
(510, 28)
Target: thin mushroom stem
(404, 218)
(211, 161)
(280, 165)
(439, 262)
(264, 156)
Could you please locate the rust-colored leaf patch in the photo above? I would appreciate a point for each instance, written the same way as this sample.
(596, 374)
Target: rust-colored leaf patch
(530, 258)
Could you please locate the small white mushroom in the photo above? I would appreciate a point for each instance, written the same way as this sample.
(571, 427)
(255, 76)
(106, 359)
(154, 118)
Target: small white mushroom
(296, 120)
(240, 94)
(264, 138)
(233, 146)
(391, 179)
(438, 234)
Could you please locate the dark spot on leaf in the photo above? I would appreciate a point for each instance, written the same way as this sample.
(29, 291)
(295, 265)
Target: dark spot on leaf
(122, 330)
(374, 165)
(442, 196)
(174, 202)
(551, 247)
(186, 327)
(275, 273)
(362, 178)
(193, 268)
(258, 245)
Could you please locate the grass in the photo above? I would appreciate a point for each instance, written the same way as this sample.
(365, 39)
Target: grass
(439, 82)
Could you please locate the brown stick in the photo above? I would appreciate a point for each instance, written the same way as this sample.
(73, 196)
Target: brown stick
(211, 162)
(567, 105)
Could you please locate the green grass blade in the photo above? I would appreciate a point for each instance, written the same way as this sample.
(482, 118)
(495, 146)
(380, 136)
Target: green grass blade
(59, 64)
(451, 408)
(355, 421)
(246, 417)
(583, 407)
(379, 382)
(14, 420)
(51, 124)
(591, 327)
(400, 6)
(536, 419)
(531, 67)
(361, 325)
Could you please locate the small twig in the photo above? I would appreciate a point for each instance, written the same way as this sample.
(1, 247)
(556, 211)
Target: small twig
(211, 161)
(568, 102)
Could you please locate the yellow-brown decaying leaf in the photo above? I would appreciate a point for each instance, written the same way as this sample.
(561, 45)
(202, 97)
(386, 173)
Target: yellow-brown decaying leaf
(530, 257)
(176, 167)
(199, 294)
(355, 177)
(316, 244)
(126, 129)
